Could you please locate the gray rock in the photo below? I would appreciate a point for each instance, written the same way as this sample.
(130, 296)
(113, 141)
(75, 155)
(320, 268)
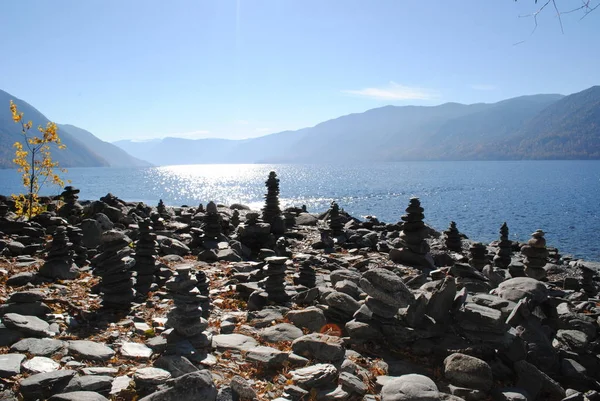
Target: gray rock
(78, 396)
(38, 309)
(38, 346)
(410, 387)
(41, 364)
(20, 279)
(120, 384)
(135, 350)
(100, 371)
(10, 365)
(151, 376)
(242, 388)
(8, 336)
(172, 246)
(342, 302)
(467, 371)
(26, 296)
(311, 318)
(344, 274)
(319, 375)
(333, 393)
(510, 394)
(267, 356)
(536, 382)
(234, 341)
(321, 347)
(573, 339)
(97, 383)
(44, 385)
(306, 219)
(91, 350)
(190, 387)
(518, 288)
(281, 332)
(175, 364)
(228, 255)
(29, 325)
(386, 287)
(352, 384)
(92, 233)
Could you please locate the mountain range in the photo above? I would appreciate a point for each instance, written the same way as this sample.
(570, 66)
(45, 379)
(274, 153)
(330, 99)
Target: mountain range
(83, 148)
(549, 126)
(546, 126)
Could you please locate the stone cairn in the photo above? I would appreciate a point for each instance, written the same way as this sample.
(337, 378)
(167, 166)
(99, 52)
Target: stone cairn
(271, 213)
(306, 275)
(478, 256)
(588, 276)
(71, 210)
(200, 208)
(274, 283)
(145, 258)
(335, 221)
(59, 261)
(414, 250)
(204, 288)
(536, 256)
(114, 266)
(453, 240)
(235, 218)
(186, 316)
(3, 209)
(80, 252)
(157, 221)
(212, 223)
(162, 209)
(502, 257)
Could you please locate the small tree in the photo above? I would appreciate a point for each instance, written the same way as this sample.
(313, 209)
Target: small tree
(34, 162)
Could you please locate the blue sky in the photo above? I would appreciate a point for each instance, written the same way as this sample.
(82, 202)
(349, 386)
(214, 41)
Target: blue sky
(237, 69)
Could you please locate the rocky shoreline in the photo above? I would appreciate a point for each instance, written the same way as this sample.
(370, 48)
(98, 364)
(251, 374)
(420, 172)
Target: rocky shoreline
(107, 299)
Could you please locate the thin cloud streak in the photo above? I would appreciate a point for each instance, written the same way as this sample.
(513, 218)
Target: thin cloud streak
(483, 87)
(394, 91)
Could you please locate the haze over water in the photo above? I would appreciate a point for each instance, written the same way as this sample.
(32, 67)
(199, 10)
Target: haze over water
(560, 197)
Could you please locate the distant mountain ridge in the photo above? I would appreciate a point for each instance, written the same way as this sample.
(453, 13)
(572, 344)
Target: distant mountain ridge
(546, 126)
(83, 148)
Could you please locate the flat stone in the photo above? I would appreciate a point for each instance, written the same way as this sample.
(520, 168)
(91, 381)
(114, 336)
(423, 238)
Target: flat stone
(281, 332)
(41, 364)
(78, 396)
(29, 325)
(177, 365)
(242, 388)
(321, 347)
(10, 365)
(99, 383)
(26, 296)
(386, 287)
(20, 279)
(311, 318)
(100, 371)
(267, 356)
(352, 384)
(8, 336)
(44, 385)
(120, 384)
(467, 371)
(190, 387)
(135, 350)
(234, 341)
(91, 350)
(410, 387)
(318, 375)
(518, 288)
(151, 376)
(38, 346)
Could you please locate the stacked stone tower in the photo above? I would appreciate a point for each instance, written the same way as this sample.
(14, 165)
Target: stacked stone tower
(335, 221)
(212, 223)
(114, 266)
(235, 218)
(71, 210)
(271, 213)
(80, 252)
(414, 250)
(478, 256)
(536, 256)
(453, 240)
(306, 275)
(145, 258)
(502, 257)
(59, 263)
(274, 283)
(186, 316)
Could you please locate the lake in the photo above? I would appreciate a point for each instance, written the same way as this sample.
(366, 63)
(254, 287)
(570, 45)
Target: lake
(560, 197)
